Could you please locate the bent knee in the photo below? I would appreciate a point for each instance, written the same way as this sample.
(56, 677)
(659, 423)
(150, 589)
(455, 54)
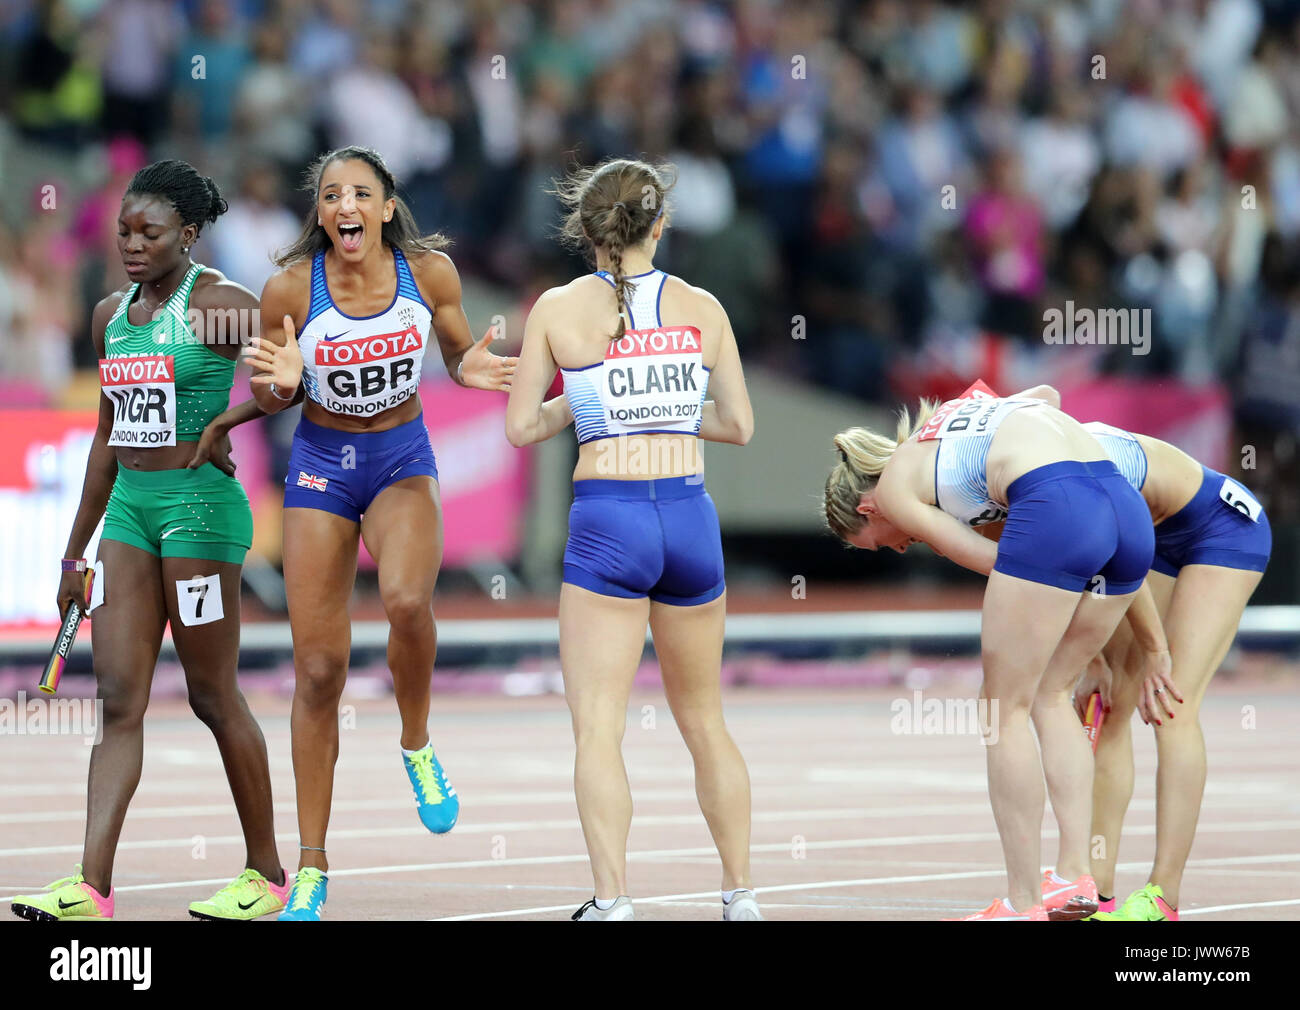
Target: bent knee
(215, 707)
(1047, 702)
(122, 704)
(598, 728)
(702, 730)
(320, 679)
(408, 610)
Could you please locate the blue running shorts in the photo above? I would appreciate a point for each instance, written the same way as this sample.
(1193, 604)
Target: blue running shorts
(638, 538)
(1069, 522)
(1211, 530)
(343, 471)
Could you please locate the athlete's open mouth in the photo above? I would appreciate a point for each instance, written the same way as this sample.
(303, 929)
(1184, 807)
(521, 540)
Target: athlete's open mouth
(350, 235)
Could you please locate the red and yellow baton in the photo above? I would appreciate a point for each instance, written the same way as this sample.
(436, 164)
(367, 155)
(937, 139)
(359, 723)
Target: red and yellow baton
(1093, 718)
(63, 643)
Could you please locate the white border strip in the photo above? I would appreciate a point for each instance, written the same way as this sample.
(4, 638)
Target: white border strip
(880, 626)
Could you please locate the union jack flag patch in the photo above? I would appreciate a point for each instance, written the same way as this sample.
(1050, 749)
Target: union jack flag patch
(312, 481)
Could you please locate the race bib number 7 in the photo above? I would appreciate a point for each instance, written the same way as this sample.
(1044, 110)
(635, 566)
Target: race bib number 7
(142, 390)
(1237, 497)
(654, 376)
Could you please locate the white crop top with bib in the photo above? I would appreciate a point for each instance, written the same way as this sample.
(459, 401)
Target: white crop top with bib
(362, 365)
(966, 427)
(652, 380)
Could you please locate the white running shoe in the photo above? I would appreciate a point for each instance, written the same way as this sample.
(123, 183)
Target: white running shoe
(743, 907)
(620, 911)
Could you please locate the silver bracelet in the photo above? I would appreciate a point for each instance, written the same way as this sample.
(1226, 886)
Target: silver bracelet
(276, 393)
(460, 374)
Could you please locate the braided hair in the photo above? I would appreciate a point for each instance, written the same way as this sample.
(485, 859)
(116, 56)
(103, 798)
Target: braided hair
(613, 206)
(195, 197)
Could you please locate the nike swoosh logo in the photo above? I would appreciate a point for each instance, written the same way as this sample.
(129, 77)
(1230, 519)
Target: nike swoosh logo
(71, 904)
(1059, 890)
(336, 336)
(164, 536)
(250, 904)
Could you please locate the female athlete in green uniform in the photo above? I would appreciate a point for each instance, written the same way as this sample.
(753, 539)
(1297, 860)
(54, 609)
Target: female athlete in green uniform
(176, 529)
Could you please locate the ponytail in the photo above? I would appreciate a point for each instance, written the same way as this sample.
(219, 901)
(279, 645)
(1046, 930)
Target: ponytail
(863, 455)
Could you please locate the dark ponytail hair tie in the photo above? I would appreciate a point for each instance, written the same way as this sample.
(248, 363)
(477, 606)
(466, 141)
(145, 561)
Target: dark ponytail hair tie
(844, 456)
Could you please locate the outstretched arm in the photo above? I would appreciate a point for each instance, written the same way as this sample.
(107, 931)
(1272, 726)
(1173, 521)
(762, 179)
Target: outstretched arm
(468, 362)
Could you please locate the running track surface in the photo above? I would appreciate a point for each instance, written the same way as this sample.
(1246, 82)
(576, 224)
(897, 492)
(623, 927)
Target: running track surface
(851, 820)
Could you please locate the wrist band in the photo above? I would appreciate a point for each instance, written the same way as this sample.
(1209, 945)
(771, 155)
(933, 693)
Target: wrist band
(460, 374)
(311, 847)
(276, 393)
(74, 564)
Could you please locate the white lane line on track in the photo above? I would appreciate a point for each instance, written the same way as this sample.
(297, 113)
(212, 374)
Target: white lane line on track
(652, 854)
(1231, 908)
(572, 824)
(859, 882)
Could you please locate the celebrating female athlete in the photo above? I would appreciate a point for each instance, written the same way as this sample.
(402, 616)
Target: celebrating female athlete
(176, 529)
(1212, 544)
(1072, 523)
(348, 316)
(637, 349)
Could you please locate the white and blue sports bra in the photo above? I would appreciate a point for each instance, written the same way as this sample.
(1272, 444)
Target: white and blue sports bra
(652, 380)
(966, 427)
(362, 365)
(1124, 450)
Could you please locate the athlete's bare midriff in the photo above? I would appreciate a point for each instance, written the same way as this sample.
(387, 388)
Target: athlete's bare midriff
(408, 410)
(164, 457)
(1173, 478)
(640, 457)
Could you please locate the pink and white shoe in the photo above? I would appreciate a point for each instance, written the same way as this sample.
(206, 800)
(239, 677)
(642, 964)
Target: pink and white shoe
(1002, 911)
(1069, 901)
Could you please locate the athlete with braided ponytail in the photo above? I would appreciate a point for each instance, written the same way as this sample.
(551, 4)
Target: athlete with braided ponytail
(348, 319)
(638, 349)
(176, 528)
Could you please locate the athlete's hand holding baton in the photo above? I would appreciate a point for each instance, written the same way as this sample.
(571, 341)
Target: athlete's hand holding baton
(74, 604)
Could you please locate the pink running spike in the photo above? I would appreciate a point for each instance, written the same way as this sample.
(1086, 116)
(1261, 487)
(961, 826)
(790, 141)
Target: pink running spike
(281, 891)
(105, 905)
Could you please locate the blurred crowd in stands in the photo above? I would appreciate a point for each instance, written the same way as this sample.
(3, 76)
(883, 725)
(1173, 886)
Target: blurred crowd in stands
(1115, 153)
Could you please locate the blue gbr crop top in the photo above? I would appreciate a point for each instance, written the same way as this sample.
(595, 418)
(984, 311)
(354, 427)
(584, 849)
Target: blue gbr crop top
(652, 380)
